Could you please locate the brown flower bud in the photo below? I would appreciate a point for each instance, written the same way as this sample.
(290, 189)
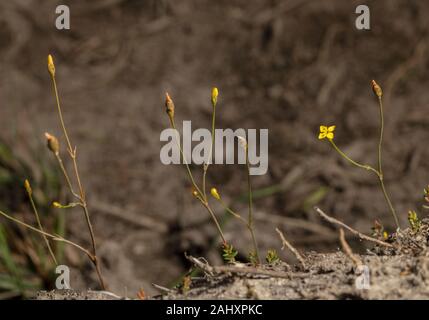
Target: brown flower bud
(377, 89)
(52, 143)
(169, 106)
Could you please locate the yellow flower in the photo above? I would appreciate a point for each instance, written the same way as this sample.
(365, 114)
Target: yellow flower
(326, 132)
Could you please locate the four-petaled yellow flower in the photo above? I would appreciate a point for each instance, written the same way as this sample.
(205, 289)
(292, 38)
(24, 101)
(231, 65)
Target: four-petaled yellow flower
(326, 132)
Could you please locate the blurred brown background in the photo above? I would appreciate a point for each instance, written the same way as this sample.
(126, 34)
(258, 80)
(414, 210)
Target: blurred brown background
(288, 66)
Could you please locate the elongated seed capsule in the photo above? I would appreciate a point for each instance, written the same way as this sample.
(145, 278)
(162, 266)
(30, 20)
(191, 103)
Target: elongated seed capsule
(376, 88)
(214, 193)
(215, 93)
(51, 66)
(52, 143)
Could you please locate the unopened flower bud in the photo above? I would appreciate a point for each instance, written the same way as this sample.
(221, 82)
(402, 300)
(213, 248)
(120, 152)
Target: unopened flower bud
(52, 143)
(28, 187)
(57, 205)
(215, 93)
(377, 89)
(169, 106)
(51, 66)
(214, 193)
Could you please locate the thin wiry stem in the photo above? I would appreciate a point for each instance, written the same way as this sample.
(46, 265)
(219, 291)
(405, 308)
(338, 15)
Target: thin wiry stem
(363, 166)
(232, 212)
(378, 172)
(53, 237)
(380, 169)
(248, 225)
(39, 223)
(201, 196)
(209, 159)
(72, 153)
(250, 219)
(191, 177)
(66, 176)
(206, 205)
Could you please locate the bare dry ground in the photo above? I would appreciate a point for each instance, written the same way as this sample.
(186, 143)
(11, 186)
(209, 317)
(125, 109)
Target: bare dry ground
(287, 67)
(400, 272)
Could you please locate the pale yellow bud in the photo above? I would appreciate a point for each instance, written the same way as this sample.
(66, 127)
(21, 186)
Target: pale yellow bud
(57, 205)
(215, 93)
(377, 89)
(51, 66)
(214, 193)
(52, 143)
(28, 187)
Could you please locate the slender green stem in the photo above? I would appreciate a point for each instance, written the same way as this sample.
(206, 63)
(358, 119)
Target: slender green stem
(378, 172)
(250, 219)
(39, 223)
(53, 237)
(66, 176)
(363, 166)
(206, 205)
(380, 143)
(201, 196)
(60, 114)
(206, 165)
(380, 169)
(389, 203)
(232, 212)
(82, 196)
(191, 177)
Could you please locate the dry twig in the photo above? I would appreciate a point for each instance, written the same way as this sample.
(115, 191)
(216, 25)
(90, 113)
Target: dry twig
(348, 251)
(355, 232)
(213, 270)
(291, 248)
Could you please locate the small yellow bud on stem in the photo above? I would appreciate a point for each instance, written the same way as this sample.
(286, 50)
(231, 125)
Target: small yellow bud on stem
(52, 143)
(57, 205)
(51, 66)
(214, 193)
(215, 93)
(28, 187)
(377, 89)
